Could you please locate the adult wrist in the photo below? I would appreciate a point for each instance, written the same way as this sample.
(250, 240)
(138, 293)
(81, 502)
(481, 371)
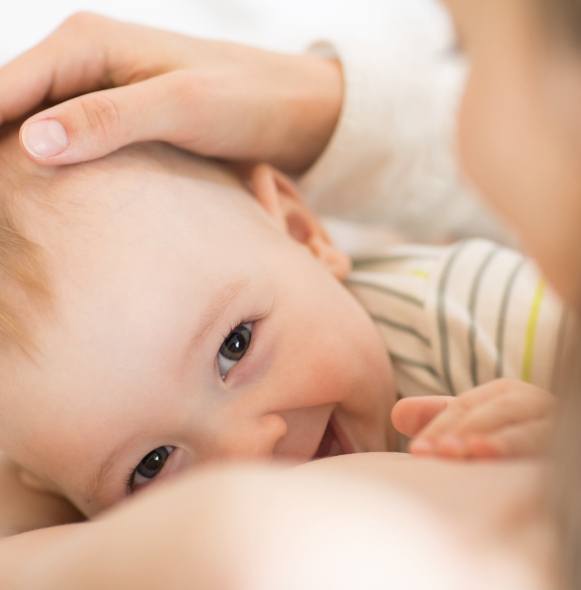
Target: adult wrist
(312, 113)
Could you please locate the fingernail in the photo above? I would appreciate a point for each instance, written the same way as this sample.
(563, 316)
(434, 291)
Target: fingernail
(421, 446)
(45, 138)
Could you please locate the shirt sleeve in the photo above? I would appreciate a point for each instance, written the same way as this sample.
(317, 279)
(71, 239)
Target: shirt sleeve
(392, 158)
(491, 315)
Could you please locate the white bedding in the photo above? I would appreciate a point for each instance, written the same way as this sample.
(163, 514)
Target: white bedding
(273, 23)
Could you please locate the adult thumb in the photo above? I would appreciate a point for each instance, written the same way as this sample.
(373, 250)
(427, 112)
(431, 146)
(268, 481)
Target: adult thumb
(96, 124)
(409, 416)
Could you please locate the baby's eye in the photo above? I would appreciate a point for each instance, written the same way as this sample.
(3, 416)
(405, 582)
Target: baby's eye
(149, 467)
(234, 347)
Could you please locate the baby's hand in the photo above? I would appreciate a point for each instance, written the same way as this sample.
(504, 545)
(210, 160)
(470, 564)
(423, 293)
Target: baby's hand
(503, 418)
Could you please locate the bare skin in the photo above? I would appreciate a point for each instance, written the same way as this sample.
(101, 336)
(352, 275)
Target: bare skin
(508, 100)
(198, 94)
(25, 507)
(199, 509)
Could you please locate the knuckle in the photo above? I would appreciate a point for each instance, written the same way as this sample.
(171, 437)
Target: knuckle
(79, 21)
(186, 86)
(101, 114)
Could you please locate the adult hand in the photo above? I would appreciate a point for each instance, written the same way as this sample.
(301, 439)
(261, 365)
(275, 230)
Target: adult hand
(137, 84)
(503, 418)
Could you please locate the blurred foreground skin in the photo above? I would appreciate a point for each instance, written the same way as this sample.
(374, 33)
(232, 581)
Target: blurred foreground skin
(519, 137)
(349, 522)
(520, 141)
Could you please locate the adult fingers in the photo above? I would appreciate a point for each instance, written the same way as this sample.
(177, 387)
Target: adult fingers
(99, 123)
(409, 416)
(88, 52)
(70, 61)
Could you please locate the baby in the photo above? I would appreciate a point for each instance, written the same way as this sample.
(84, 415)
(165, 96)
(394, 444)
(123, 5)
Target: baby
(159, 312)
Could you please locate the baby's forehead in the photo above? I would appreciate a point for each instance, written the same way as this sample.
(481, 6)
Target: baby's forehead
(57, 221)
(137, 160)
(106, 185)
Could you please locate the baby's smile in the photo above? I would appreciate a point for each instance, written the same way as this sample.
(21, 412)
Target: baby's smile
(334, 441)
(192, 322)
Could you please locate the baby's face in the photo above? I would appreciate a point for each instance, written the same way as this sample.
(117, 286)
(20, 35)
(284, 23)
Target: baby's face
(187, 327)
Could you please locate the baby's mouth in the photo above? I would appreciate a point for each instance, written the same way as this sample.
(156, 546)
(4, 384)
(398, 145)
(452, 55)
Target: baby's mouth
(334, 442)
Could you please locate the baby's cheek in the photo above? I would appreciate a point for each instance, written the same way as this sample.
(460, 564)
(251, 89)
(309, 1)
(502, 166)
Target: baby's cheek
(314, 377)
(348, 366)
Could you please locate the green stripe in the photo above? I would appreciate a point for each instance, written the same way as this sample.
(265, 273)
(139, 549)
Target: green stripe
(531, 332)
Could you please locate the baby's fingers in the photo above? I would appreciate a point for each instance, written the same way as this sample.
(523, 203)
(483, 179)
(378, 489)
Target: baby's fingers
(529, 439)
(483, 410)
(447, 421)
(411, 415)
(500, 412)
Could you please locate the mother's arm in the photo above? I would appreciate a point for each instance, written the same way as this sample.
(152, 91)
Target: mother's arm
(372, 123)
(214, 98)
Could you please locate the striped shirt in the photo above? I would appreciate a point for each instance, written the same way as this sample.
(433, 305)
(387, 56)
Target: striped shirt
(454, 317)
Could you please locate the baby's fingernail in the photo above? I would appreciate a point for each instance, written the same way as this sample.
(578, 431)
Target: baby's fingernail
(46, 138)
(421, 447)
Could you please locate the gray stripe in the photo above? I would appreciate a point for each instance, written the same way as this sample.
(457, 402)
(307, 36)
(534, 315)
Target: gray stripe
(387, 291)
(402, 328)
(442, 324)
(473, 302)
(415, 364)
(502, 317)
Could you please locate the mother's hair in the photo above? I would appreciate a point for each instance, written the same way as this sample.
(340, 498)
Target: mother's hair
(562, 20)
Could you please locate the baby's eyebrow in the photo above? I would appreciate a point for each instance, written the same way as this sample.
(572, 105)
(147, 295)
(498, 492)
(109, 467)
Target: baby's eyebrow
(216, 308)
(208, 318)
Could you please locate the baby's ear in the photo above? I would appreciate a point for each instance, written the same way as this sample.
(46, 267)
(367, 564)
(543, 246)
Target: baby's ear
(281, 199)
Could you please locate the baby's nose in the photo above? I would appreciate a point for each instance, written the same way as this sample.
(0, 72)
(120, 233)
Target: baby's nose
(250, 439)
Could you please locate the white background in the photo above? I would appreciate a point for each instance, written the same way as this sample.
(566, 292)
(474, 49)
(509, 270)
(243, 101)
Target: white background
(285, 24)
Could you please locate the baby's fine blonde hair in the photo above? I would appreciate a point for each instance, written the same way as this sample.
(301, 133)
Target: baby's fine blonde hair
(23, 280)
